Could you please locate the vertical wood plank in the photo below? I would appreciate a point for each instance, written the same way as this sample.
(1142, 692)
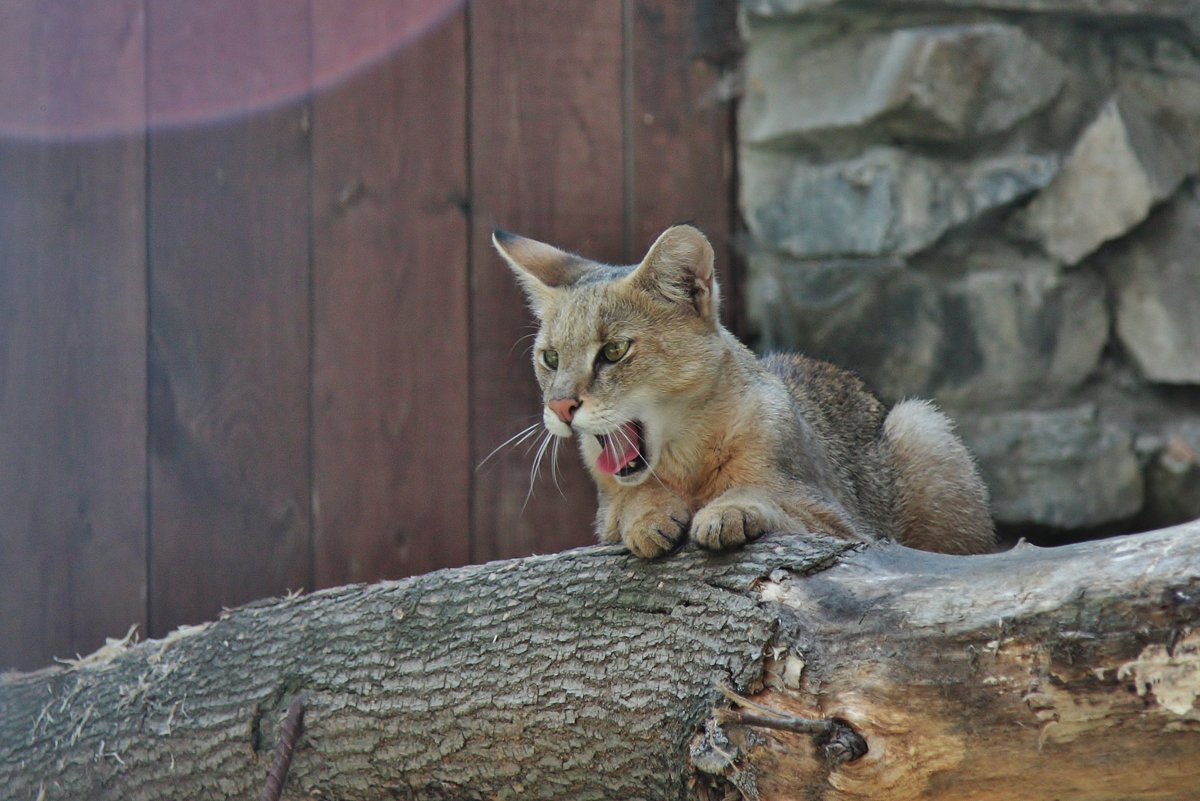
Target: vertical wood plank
(391, 461)
(547, 161)
(682, 148)
(229, 315)
(72, 329)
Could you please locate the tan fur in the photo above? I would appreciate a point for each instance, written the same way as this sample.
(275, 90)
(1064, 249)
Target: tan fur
(941, 501)
(736, 446)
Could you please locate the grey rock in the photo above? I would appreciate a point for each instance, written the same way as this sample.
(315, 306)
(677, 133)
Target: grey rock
(886, 202)
(888, 233)
(871, 316)
(1173, 480)
(1019, 335)
(940, 83)
(1156, 278)
(1064, 468)
(989, 336)
(1184, 10)
(785, 8)
(1124, 163)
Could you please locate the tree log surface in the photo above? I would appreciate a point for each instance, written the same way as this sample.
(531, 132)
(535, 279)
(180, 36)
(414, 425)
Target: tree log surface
(581, 675)
(1070, 674)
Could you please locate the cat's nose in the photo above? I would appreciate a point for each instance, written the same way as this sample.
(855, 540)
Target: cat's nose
(564, 408)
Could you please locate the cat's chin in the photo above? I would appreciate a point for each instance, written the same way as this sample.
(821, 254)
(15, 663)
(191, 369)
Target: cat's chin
(635, 473)
(632, 479)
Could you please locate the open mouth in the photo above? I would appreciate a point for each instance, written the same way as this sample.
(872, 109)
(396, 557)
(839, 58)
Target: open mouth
(621, 450)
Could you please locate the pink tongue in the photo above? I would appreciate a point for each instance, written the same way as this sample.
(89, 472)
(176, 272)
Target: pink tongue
(610, 460)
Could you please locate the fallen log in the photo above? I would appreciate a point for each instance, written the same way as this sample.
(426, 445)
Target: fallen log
(799, 667)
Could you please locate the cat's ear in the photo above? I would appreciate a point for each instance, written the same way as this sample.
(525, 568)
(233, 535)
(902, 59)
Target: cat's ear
(542, 270)
(679, 267)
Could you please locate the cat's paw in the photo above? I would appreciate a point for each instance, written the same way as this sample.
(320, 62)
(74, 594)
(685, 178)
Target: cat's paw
(721, 526)
(655, 532)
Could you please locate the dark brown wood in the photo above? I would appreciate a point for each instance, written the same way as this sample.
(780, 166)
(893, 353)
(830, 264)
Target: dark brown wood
(352, 38)
(715, 31)
(305, 423)
(72, 328)
(72, 69)
(681, 137)
(223, 60)
(391, 433)
(547, 161)
(230, 335)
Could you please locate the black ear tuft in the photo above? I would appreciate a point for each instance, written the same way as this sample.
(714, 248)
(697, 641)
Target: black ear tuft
(543, 270)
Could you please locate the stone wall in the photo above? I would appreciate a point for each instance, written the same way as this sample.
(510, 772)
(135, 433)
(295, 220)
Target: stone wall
(993, 203)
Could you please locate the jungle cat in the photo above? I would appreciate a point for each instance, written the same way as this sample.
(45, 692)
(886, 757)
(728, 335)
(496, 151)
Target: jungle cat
(687, 433)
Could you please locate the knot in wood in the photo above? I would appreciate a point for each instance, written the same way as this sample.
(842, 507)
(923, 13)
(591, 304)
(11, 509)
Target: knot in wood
(840, 743)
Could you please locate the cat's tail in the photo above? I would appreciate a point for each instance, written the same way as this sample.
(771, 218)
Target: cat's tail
(941, 501)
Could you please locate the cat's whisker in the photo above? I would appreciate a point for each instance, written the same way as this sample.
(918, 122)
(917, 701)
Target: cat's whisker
(620, 430)
(532, 473)
(520, 340)
(537, 461)
(654, 475)
(535, 442)
(515, 440)
(620, 434)
(554, 466)
(623, 437)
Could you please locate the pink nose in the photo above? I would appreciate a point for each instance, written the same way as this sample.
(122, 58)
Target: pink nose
(564, 408)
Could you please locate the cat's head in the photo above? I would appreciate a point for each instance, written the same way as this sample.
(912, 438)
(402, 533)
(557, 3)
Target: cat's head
(622, 352)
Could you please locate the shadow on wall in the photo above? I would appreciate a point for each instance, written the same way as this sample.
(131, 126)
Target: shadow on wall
(993, 204)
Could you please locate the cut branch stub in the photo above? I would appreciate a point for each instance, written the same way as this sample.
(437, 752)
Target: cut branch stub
(836, 738)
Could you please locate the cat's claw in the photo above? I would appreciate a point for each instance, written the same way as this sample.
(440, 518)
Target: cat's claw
(654, 534)
(722, 526)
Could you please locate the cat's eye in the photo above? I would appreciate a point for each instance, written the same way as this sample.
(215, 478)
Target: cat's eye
(550, 359)
(615, 351)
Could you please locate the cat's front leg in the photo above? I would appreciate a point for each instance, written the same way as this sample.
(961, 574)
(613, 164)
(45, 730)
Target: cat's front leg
(650, 521)
(742, 514)
(736, 517)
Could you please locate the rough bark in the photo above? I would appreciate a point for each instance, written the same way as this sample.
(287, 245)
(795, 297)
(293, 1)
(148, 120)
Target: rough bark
(1070, 673)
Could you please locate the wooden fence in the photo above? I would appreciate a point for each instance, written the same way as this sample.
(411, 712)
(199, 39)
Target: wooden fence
(252, 334)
